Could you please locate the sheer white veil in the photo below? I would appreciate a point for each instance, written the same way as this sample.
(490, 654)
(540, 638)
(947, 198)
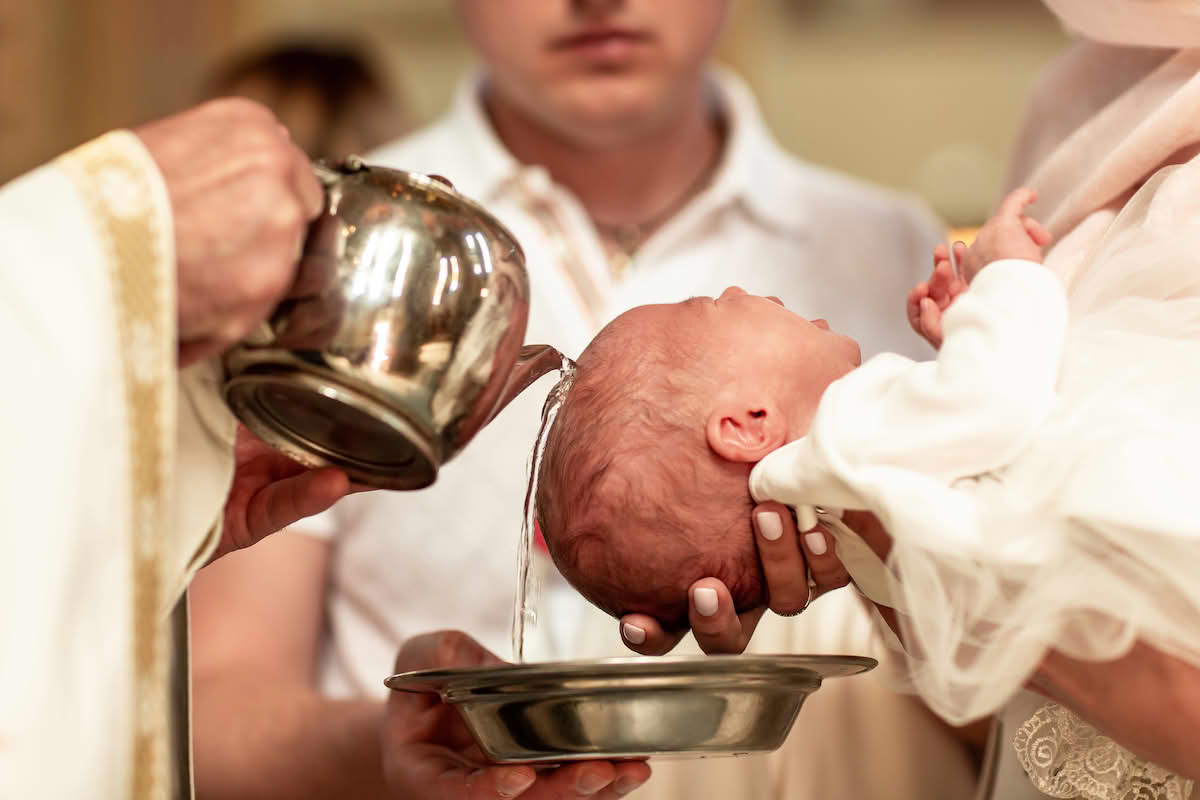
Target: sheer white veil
(1108, 497)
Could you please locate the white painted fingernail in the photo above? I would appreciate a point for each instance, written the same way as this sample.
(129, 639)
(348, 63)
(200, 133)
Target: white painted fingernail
(769, 525)
(706, 601)
(806, 518)
(816, 543)
(632, 633)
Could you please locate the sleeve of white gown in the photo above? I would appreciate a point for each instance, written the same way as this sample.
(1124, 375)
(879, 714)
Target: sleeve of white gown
(205, 434)
(125, 209)
(966, 413)
(197, 429)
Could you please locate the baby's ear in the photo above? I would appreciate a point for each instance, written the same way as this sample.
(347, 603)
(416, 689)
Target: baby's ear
(746, 432)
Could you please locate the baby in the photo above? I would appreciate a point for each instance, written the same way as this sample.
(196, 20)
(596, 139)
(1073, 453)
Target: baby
(644, 485)
(1037, 481)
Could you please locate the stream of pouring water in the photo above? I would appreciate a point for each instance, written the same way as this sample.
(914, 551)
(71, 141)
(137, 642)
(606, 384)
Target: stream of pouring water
(525, 604)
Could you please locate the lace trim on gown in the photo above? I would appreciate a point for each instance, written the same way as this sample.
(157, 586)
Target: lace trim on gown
(1068, 758)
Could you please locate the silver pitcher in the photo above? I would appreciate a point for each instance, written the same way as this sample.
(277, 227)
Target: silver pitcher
(408, 341)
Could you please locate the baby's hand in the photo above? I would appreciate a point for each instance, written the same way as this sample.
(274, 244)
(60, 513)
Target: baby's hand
(928, 300)
(1008, 234)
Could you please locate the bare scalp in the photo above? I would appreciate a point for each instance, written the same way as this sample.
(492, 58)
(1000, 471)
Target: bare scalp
(633, 505)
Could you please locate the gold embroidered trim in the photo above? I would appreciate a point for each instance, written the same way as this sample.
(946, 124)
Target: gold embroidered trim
(118, 180)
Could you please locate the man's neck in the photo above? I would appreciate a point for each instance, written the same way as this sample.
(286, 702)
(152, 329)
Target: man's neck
(636, 182)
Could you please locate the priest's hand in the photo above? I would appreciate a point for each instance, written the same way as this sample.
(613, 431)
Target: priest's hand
(270, 492)
(428, 752)
(242, 196)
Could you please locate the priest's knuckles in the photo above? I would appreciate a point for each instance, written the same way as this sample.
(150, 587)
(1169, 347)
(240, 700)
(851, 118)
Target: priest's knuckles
(242, 195)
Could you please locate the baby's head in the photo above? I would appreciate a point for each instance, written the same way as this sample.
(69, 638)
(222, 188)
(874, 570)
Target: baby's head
(643, 485)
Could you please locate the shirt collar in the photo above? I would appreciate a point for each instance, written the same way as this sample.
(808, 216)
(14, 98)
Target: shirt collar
(751, 175)
(755, 172)
(493, 166)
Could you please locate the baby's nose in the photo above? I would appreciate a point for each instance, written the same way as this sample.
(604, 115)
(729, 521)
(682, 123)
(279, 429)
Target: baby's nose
(732, 291)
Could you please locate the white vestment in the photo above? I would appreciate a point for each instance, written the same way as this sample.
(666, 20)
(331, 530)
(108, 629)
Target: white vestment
(115, 472)
(1037, 479)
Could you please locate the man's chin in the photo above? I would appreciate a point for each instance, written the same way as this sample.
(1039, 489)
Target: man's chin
(613, 110)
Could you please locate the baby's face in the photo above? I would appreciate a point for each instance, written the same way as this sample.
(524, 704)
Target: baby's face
(752, 337)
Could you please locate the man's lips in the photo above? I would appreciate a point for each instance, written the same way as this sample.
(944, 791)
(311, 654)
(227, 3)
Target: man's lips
(599, 38)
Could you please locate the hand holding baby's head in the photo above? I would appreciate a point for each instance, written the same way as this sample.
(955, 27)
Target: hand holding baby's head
(633, 505)
(643, 485)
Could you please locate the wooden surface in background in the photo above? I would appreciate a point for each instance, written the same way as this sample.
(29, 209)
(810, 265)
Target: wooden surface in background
(72, 69)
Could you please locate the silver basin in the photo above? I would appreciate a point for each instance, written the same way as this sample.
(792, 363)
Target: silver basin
(684, 706)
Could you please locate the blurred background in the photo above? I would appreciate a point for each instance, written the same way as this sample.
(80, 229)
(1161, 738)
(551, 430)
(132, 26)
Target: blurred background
(923, 95)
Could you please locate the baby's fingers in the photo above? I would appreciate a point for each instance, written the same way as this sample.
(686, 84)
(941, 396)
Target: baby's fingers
(940, 253)
(960, 255)
(1014, 205)
(957, 287)
(1041, 237)
(931, 322)
(941, 283)
(913, 306)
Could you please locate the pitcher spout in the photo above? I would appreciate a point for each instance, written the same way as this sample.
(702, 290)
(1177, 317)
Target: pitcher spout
(534, 361)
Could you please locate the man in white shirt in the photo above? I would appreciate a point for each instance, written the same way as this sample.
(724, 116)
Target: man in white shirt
(631, 172)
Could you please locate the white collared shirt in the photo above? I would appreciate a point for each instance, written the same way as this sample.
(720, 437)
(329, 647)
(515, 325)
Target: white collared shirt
(827, 245)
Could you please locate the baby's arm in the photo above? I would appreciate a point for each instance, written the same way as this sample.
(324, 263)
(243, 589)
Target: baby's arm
(969, 412)
(1008, 234)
